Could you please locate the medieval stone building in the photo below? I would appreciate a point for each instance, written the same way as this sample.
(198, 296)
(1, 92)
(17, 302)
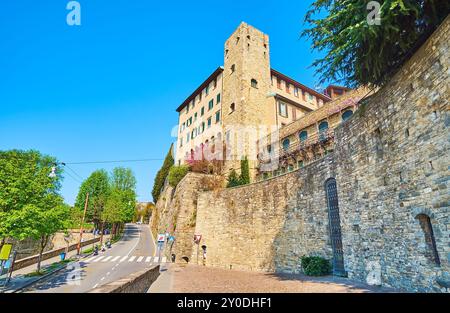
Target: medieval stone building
(370, 192)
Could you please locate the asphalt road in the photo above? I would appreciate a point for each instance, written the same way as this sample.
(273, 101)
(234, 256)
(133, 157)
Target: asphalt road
(133, 253)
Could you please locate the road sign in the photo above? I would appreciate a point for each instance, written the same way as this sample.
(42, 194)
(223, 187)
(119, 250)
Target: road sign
(161, 237)
(5, 252)
(197, 238)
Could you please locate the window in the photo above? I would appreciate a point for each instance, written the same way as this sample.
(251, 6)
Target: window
(431, 251)
(183, 126)
(290, 168)
(193, 133)
(209, 122)
(188, 137)
(210, 105)
(207, 90)
(323, 127)
(181, 142)
(233, 68)
(278, 83)
(232, 107)
(288, 87)
(300, 164)
(283, 109)
(187, 108)
(346, 115)
(203, 127)
(296, 91)
(202, 111)
(200, 97)
(195, 117)
(189, 122)
(254, 83)
(311, 97)
(218, 98)
(269, 148)
(217, 116)
(215, 83)
(303, 136)
(286, 144)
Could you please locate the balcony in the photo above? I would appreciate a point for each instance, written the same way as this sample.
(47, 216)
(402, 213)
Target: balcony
(314, 141)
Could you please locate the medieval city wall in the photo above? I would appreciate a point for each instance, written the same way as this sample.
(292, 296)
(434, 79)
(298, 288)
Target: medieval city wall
(391, 164)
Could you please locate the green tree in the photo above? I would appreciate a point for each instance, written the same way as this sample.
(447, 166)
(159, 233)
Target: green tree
(123, 179)
(357, 53)
(97, 185)
(162, 175)
(177, 173)
(40, 223)
(244, 178)
(25, 182)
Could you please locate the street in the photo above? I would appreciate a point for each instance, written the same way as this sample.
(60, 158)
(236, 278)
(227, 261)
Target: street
(134, 252)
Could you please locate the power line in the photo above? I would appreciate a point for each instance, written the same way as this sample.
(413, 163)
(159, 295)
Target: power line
(117, 161)
(71, 176)
(74, 172)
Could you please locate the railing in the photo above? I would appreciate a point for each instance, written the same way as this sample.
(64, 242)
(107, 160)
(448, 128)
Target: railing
(316, 139)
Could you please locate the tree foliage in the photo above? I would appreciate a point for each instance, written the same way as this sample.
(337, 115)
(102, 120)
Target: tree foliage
(245, 172)
(97, 185)
(361, 54)
(233, 179)
(162, 175)
(25, 183)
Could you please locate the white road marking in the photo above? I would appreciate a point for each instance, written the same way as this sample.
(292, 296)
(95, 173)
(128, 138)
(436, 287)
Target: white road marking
(90, 259)
(140, 259)
(124, 258)
(148, 259)
(107, 258)
(99, 258)
(115, 259)
(132, 258)
(103, 278)
(139, 239)
(95, 286)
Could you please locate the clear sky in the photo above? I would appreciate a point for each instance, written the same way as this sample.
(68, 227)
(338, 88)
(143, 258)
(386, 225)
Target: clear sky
(108, 89)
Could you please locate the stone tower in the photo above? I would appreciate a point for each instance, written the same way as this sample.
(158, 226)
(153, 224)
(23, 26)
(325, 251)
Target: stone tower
(246, 107)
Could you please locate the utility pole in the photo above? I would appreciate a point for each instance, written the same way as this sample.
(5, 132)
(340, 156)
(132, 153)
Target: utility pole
(82, 223)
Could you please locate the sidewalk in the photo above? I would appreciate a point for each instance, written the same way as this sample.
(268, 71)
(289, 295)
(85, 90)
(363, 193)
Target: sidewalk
(19, 279)
(200, 279)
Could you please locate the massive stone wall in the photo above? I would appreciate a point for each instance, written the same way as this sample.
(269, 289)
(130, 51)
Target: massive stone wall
(391, 164)
(176, 212)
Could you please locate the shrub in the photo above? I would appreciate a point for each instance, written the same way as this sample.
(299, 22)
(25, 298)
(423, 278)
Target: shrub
(233, 179)
(176, 174)
(315, 266)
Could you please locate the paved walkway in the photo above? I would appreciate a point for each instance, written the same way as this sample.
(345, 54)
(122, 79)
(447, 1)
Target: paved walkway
(18, 278)
(200, 279)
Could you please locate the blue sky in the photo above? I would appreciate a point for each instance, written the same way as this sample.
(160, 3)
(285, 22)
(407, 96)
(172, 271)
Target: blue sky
(108, 89)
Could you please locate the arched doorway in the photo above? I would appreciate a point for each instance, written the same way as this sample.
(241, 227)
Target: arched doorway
(335, 227)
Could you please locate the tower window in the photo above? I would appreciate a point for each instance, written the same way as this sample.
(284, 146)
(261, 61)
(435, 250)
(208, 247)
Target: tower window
(210, 104)
(217, 116)
(233, 68)
(283, 109)
(232, 107)
(218, 98)
(254, 83)
(323, 126)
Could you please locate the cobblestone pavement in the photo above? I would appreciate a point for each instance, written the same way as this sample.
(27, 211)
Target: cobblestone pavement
(199, 279)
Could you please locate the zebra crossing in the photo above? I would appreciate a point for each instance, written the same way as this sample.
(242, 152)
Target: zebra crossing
(120, 259)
